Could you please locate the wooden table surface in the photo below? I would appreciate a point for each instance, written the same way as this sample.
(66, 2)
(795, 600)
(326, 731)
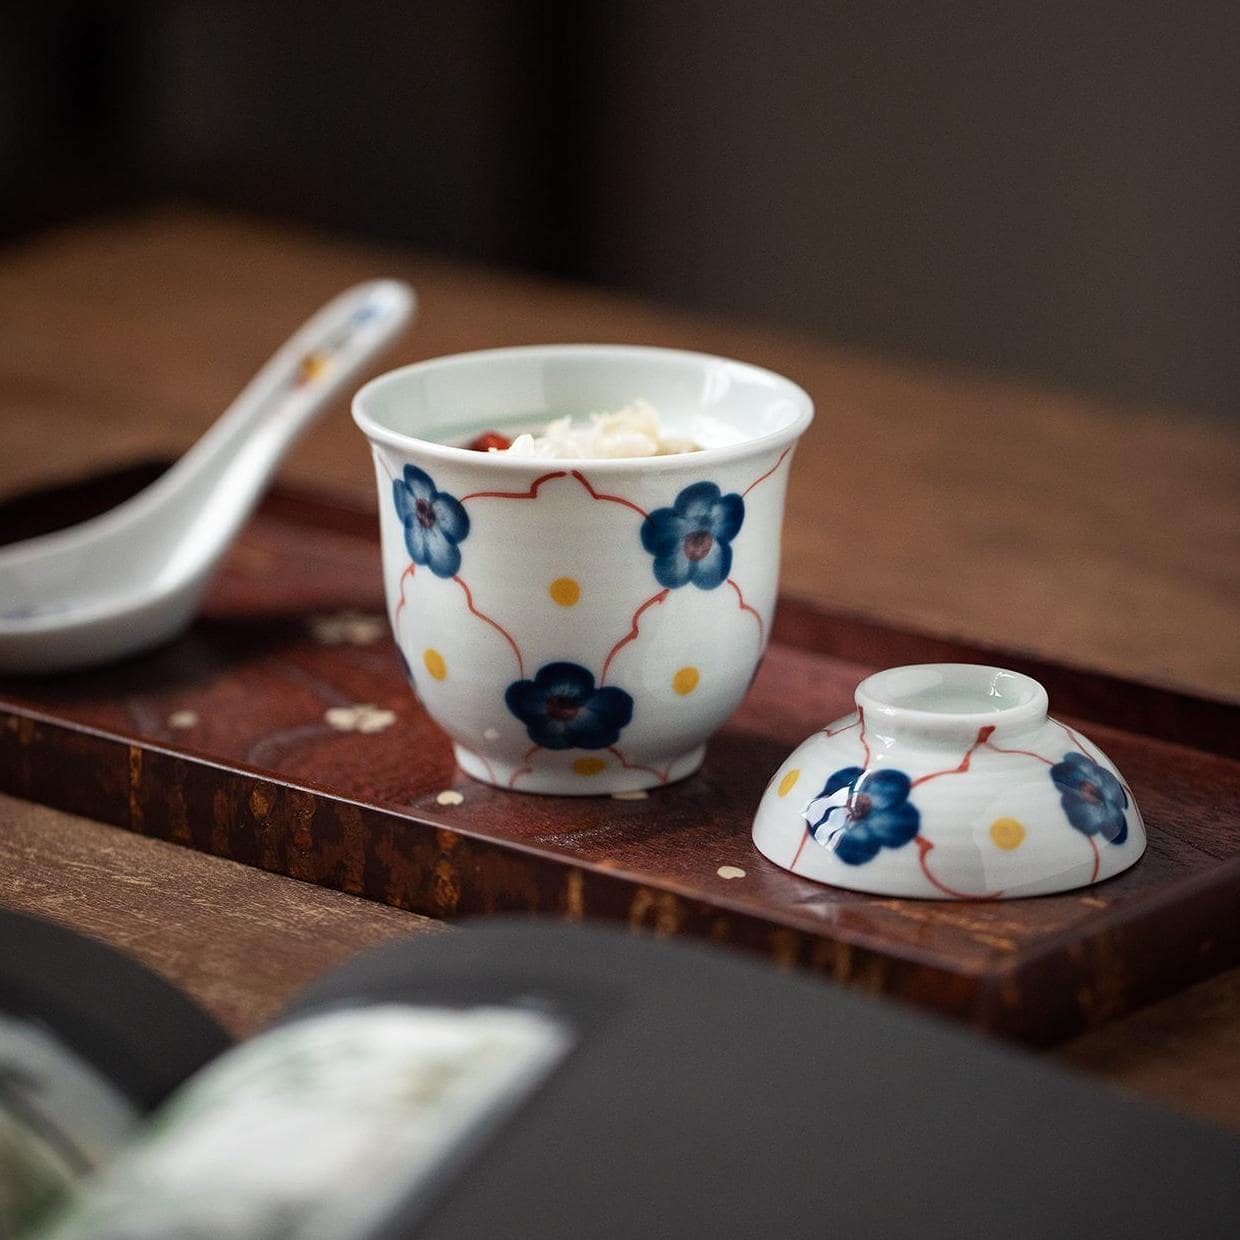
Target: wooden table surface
(1069, 527)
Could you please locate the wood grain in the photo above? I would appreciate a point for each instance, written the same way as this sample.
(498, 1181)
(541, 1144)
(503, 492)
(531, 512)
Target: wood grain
(1184, 1051)
(237, 939)
(1096, 535)
(259, 774)
(243, 942)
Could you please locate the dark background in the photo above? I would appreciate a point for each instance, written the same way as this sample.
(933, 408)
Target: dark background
(1045, 190)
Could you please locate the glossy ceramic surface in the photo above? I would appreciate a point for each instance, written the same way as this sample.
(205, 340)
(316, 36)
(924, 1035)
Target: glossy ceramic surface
(582, 626)
(949, 781)
(133, 577)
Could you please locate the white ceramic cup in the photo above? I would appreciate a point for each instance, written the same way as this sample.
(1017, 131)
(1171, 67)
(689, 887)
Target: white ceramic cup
(580, 626)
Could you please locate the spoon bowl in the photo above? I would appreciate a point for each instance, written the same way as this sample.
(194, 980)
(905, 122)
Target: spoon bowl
(133, 577)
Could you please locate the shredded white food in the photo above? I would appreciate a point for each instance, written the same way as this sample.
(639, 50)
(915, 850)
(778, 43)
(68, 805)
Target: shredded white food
(634, 430)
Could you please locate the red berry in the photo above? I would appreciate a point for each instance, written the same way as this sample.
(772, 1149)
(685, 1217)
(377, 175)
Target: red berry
(488, 440)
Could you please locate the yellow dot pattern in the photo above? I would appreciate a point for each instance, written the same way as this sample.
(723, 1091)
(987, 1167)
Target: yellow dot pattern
(686, 680)
(313, 366)
(589, 766)
(434, 663)
(565, 591)
(1007, 833)
(789, 781)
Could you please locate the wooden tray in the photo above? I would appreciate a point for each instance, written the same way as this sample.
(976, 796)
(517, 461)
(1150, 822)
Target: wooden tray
(223, 742)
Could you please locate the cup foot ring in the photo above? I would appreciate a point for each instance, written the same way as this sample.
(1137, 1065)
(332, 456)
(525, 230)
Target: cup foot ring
(580, 773)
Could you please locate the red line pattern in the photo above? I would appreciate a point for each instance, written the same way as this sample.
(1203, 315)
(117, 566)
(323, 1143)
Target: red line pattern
(796, 856)
(1025, 753)
(1076, 740)
(661, 776)
(524, 768)
(768, 473)
(631, 635)
(387, 469)
(923, 847)
(864, 743)
(409, 572)
(744, 606)
(532, 493)
(611, 499)
(499, 628)
(983, 734)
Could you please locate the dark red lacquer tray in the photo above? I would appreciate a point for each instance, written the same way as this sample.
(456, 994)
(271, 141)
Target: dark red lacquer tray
(223, 742)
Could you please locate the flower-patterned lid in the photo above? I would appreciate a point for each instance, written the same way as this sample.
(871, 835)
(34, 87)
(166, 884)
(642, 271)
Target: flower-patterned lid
(950, 781)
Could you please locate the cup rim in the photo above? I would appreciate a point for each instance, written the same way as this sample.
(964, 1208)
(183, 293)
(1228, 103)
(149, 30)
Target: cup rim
(377, 433)
(880, 696)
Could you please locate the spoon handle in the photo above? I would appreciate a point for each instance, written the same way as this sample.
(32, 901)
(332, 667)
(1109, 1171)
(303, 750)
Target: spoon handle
(306, 373)
(185, 519)
(133, 576)
(215, 485)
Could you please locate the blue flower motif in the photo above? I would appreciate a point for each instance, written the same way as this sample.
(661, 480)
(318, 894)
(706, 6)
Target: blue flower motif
(1092, 797)
(691, 541)
(561, 708)
(434, 522)
(857, 813)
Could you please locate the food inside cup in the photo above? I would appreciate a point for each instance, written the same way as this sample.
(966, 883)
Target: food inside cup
(633, 431)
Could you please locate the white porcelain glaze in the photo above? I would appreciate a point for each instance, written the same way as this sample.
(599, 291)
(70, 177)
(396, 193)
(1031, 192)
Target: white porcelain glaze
(133, 577)
(498, 569)
(949, 781)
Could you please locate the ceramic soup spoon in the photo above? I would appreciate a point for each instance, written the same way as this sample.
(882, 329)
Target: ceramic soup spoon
(133, 577)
